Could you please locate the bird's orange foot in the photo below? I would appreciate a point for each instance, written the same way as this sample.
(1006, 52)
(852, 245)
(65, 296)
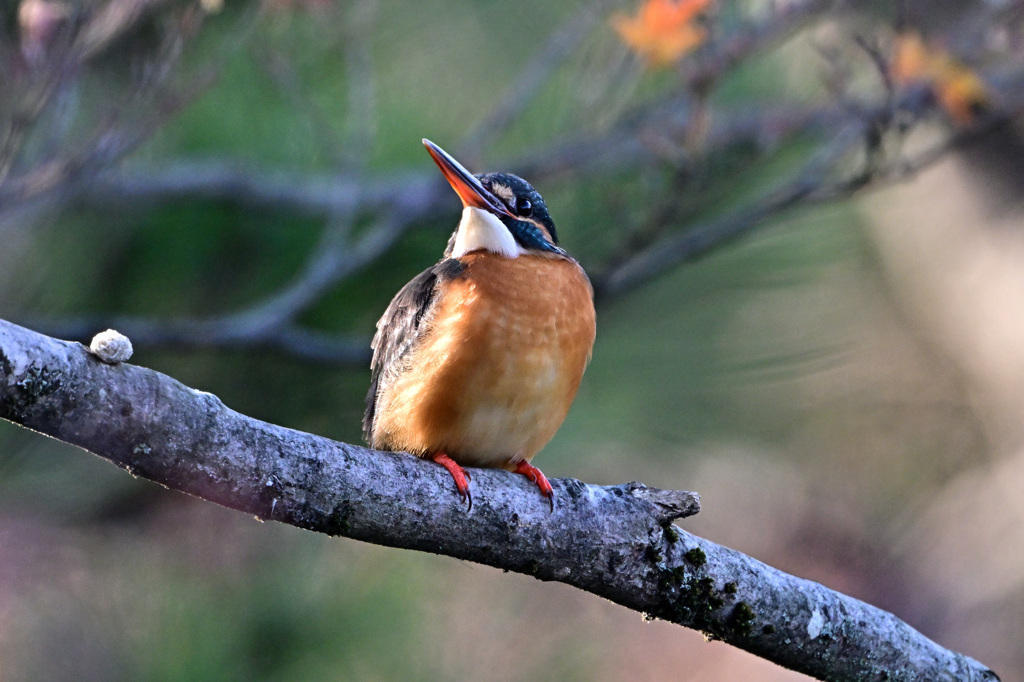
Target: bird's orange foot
(538, 477)
(460, 476)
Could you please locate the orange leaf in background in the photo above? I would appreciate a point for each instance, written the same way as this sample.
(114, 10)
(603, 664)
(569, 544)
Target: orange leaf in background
(663, 30)
(910, 60)
(963, 95)
(959, 90)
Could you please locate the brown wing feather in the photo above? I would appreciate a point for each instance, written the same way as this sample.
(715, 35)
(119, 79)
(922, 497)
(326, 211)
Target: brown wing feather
(399, 331)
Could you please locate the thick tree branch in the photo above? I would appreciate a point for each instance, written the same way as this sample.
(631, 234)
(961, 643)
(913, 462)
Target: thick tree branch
(617, 542)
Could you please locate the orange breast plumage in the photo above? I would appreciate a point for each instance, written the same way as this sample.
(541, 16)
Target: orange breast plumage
(496, 365)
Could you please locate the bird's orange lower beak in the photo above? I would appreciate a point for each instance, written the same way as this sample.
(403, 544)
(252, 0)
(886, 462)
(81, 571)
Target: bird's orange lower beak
(465, 183)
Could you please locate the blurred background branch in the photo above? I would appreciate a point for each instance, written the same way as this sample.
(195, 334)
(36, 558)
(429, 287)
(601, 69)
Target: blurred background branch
(673, 132)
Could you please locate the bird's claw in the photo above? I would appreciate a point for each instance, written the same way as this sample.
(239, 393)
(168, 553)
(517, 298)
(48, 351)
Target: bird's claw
(538, 478)
(459, 475)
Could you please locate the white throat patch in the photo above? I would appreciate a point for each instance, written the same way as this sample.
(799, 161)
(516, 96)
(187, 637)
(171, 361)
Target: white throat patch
(479, 229)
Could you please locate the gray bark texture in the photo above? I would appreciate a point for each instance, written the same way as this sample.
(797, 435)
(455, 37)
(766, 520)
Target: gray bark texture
(618, 542)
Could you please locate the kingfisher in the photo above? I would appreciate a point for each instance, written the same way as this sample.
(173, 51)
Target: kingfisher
(478, 358)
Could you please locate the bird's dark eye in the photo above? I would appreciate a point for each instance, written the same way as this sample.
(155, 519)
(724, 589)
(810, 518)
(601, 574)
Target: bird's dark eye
(523, 206)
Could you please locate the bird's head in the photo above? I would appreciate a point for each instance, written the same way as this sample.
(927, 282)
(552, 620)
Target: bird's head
(501, 212)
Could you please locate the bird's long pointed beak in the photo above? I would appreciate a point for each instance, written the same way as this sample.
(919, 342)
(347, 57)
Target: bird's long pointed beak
(465, 183)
